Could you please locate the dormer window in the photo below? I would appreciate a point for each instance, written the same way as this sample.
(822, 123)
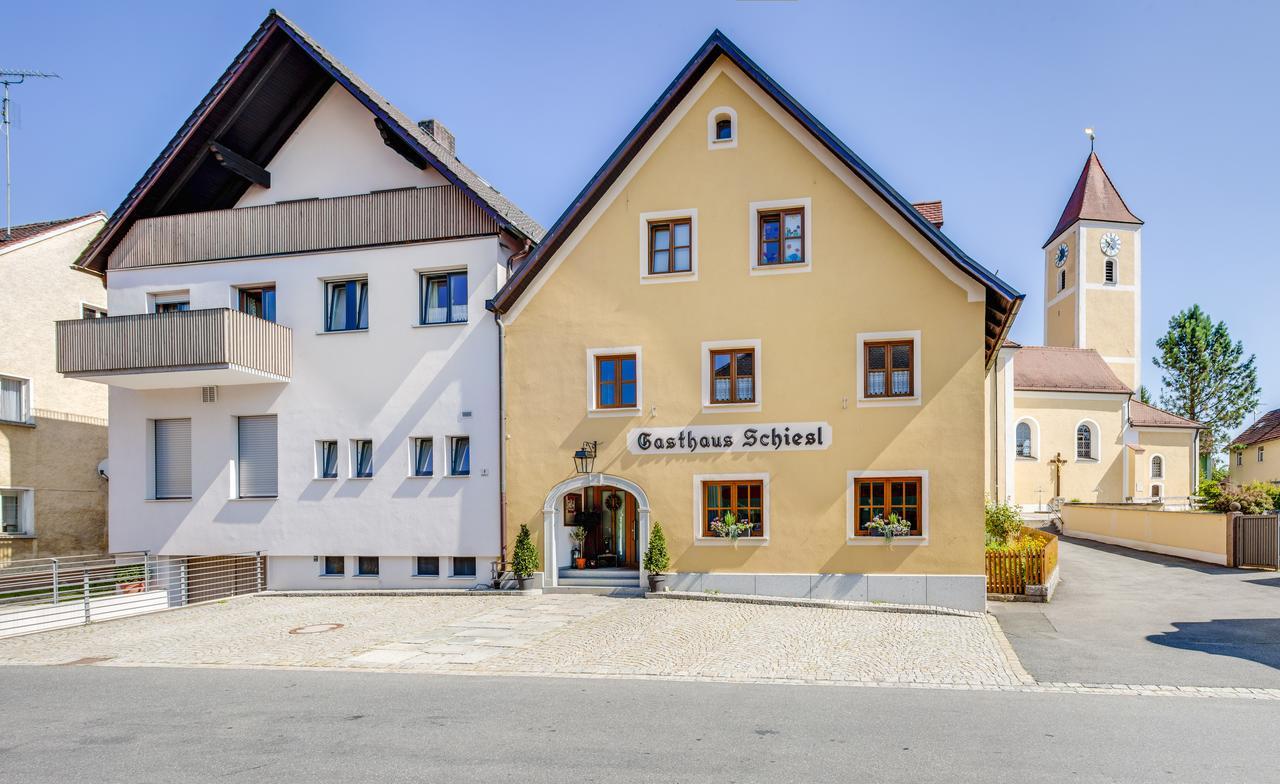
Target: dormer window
(722, 128)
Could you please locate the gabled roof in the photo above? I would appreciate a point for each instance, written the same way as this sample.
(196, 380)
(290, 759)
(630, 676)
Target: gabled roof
(1267, 428)
(252, 110)
(1144, 415)
(1003, 300)
(1062, 369)
(33, 231)
(1094, 198)
(931, 210)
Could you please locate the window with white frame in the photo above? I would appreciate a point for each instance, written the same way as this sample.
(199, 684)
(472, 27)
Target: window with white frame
(1157, 467)
(257, 471)
(460, 456)
(1023, 440)
(361, 458)
(1109, 271)
(92, 312)
(15, 399)
(367, 566)
(1086, 442)
(171, 302)
(1239, 457)
(463, 566)
(442, 297)
(426, 566)
(326, 459)
(171, 453)
(614, 375)
(334, 565)
(15, 513)
(888, 367)
(1157, 491)
(1260, 454)
(722, 128)
(781, 236)
(422, 451)
(346, 305)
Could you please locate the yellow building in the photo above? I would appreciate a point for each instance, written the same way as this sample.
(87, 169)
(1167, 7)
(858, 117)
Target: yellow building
(53, 430)
(738, 315)
(1064, 422)
(1254, 455)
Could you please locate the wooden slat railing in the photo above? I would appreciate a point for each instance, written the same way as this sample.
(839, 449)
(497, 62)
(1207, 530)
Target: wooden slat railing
(185, 340)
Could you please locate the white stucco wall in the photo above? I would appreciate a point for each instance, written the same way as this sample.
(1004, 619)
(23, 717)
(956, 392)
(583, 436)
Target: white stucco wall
(395, 573)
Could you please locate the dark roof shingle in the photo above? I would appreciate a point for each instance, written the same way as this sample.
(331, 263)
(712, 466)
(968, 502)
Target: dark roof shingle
(1266, 428)
(1094, 198)
(29, 231)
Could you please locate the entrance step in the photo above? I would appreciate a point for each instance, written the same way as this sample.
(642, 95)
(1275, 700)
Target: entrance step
(596, 574)
(600, 590)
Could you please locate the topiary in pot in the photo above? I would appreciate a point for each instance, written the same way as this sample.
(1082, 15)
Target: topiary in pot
(656, 559)
(524, 561)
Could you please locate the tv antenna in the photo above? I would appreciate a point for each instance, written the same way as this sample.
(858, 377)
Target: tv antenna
(10, 76)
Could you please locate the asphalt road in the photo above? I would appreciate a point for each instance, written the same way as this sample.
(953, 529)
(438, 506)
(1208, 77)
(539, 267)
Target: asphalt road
(112, 724)
(1124, 616)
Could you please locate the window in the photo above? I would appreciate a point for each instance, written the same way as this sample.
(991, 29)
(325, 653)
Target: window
(1240, 457)
(367, 566)
(335, 565)
(616, 381)
(346, 305)
(670, 246)
(427, 566)
(13, 513)
(1022, 437)
(1259, 454)
(172, 454)
(1062, 280)
(423, 458)
(884, 496)
(442, 298)
(733, 376)
(92, 312)
(1109, 271)
(460, 456)
(258, 301)
(361, 458)
(745, 498)
(724, 129)
(464, 566)
(256, 467)
(175, 302)
(1084, 442)
(15, 403)
(781, 237)
(326, 459)
(889, 368)
(1157, 491)
(1157, 467)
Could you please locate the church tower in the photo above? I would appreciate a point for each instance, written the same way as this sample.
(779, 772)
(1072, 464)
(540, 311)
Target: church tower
(1093, 275)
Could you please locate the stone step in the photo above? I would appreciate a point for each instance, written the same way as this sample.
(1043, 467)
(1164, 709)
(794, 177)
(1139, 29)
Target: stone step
(600, 590)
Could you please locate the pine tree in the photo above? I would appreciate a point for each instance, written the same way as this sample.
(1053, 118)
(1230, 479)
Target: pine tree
(1206, 376)
(656, 559)
(525, 557)
(1144, 394)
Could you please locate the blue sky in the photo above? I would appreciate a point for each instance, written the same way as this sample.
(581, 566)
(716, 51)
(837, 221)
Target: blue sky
(979, 104)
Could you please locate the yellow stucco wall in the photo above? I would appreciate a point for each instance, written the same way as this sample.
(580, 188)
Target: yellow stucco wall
(1060, 317)
(865, 277)
(1056, 420)
(1177, 447)
(1250, 470)
(1201, 535)
(57, 458)
(1111, 311)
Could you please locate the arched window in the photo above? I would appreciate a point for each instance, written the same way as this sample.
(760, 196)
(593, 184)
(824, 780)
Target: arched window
(1157, 469)
(1156, 491)
(1022, 438)
(1084, 442)
(1062, 280)
(1109, 271)
(722, 128)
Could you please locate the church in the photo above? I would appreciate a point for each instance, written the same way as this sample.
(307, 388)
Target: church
(1063, 418)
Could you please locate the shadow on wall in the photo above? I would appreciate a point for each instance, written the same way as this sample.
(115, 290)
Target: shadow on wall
(1253, 639)
(1167, 561)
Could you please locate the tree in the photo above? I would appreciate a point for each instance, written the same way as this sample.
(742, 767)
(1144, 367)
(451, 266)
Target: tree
(656, 559)
(1206, 377)
(525, 559)
(1144, 394)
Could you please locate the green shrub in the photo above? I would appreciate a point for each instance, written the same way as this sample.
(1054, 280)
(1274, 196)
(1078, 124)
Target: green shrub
(656, 559)
(133, 573)
(525, 558)
(1003, 522)
(1254, 498)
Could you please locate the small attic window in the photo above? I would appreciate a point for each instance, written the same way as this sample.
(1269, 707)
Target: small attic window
(722, 128)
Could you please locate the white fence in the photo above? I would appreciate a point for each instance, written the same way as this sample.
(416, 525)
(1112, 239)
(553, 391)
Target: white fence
(52, 593)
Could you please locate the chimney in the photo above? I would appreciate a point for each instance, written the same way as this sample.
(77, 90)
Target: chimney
(436, 130)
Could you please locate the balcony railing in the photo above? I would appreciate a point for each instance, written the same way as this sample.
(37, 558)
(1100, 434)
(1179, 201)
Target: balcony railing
(176, 349)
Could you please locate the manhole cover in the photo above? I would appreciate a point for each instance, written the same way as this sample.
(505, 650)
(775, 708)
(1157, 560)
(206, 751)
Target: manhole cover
(316, 628)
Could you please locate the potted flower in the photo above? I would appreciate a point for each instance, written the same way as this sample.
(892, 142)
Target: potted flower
(730, 526)
(525, 559)
(131, 578)
(578, 535)
(894, 526)
(656, 559)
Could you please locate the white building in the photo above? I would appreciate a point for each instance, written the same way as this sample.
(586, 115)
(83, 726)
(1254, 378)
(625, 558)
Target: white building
(356, 439)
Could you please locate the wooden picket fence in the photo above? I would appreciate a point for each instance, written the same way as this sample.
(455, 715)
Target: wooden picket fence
(1012, 572)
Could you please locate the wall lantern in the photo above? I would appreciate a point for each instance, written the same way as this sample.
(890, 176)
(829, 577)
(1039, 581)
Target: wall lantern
(584, 459)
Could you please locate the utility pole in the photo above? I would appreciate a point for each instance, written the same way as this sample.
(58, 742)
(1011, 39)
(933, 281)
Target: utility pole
(10, 77)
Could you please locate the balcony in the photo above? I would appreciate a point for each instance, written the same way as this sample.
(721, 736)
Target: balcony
(192, 348)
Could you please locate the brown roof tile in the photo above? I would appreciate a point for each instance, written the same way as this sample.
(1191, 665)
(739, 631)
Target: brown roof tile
(1265, 429)
(1094, 198)
(931, 210)
(29, 231)
(1059, 369)
(1143, 415)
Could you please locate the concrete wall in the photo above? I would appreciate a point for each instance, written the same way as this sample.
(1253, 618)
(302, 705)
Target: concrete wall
(56, 458)
(394, 573)
(1199, 536)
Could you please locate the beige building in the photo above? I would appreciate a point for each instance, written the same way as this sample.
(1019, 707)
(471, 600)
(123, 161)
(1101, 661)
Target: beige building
(53, 430)
(1064, 421)
(1254, 456)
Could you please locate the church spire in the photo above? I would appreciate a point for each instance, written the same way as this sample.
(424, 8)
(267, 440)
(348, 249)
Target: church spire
(1094, 198)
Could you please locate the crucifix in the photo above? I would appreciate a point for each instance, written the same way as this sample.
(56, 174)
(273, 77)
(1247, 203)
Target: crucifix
(1057, 462)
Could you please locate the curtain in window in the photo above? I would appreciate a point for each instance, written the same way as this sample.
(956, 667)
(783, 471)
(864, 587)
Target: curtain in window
(257, 463)
(422, 463)
(461, 459)
(10, 521)
(12, 406)
(901, 376)
(173, 458)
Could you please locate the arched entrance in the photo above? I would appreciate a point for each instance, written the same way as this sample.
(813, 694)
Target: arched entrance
(614, 536)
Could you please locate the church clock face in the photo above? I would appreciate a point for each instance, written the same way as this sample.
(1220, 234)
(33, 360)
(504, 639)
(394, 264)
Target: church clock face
(1061, 258)
(1110, 243)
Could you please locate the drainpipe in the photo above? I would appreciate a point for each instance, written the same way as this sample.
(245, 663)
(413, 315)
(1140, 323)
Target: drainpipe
(502, 409)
